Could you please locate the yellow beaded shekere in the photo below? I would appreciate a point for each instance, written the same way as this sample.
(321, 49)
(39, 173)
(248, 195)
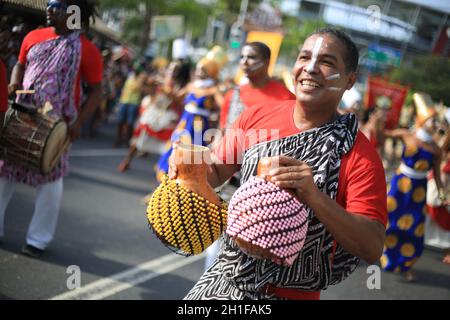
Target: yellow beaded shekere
(184, 221)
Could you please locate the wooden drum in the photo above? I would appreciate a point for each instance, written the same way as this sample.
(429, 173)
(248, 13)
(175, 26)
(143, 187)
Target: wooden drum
(32, 140)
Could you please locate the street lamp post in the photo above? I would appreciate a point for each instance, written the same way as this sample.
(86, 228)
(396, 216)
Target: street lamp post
(236, 32)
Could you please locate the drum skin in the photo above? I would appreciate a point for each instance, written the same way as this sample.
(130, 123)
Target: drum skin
(33, 141)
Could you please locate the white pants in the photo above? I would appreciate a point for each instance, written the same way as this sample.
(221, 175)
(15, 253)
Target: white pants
(48, 202)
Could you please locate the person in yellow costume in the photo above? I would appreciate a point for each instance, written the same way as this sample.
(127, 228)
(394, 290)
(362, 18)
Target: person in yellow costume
(407, 191)
(200, 97)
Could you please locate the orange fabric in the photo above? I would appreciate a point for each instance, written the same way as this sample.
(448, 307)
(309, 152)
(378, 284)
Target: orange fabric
(91, 64)
(362, 184)
(250, 96)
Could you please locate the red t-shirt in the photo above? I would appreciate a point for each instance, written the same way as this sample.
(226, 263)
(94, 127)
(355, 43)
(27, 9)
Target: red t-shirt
(250, 96)
(362, 184)
(91, 64)
(3, 88)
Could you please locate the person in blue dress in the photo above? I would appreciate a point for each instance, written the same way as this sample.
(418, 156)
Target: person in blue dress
(201, 97)
(407, 192)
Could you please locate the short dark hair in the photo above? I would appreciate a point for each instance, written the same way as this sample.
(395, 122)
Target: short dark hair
(352, 56)
(262, 48)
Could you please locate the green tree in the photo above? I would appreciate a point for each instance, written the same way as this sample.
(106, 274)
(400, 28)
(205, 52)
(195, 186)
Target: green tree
(430, 74)
(296, 33)
(195, 14)
(228, 11)
(137, 24)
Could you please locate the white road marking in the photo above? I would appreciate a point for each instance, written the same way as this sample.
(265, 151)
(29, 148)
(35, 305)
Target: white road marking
(127, 279)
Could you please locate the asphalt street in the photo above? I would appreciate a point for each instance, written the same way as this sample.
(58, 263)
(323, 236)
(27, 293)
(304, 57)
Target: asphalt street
(103, 233)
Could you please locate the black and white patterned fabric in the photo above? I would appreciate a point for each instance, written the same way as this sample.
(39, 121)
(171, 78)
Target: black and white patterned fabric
(237, 276)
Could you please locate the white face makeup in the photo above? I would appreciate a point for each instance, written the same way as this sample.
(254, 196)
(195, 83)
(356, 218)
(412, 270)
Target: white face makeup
(335, 76)
(251, 60)
(320, 75)
(315, 54)
(255, 66)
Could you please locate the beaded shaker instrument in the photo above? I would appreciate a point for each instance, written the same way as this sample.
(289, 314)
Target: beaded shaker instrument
(186, 214)
(267, 222)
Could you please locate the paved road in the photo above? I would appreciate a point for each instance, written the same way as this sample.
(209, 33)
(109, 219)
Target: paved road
(103, 231)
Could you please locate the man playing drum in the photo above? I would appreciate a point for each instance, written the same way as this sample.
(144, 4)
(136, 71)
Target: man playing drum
(325, 160)
(52, 62)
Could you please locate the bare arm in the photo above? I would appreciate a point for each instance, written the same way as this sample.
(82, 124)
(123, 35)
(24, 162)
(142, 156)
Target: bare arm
(351, 231)
(437, 173)
(16, 78)
(176, 95)
(396, 133)
(219, 97)
(218, 173)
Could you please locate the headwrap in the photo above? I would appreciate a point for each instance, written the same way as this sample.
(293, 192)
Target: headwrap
(424, 108)
(210, 67)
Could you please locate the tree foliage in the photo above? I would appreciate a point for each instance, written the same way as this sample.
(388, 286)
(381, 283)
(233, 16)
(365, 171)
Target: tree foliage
(137, 23)
(195, 14)
(430, 74)
(227, 11)
(296, 33)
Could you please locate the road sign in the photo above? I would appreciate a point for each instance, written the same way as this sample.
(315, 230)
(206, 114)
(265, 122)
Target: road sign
(167, 27)
(384, 55)
(236, 36)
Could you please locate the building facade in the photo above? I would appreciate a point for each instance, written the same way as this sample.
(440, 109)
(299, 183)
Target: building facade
(387, 32)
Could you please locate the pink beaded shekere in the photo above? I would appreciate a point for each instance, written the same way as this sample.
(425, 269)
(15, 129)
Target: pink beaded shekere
(270, 222)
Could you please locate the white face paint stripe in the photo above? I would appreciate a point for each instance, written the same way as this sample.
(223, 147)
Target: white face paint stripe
(335, 76)
(256, 66)
(315, 54)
